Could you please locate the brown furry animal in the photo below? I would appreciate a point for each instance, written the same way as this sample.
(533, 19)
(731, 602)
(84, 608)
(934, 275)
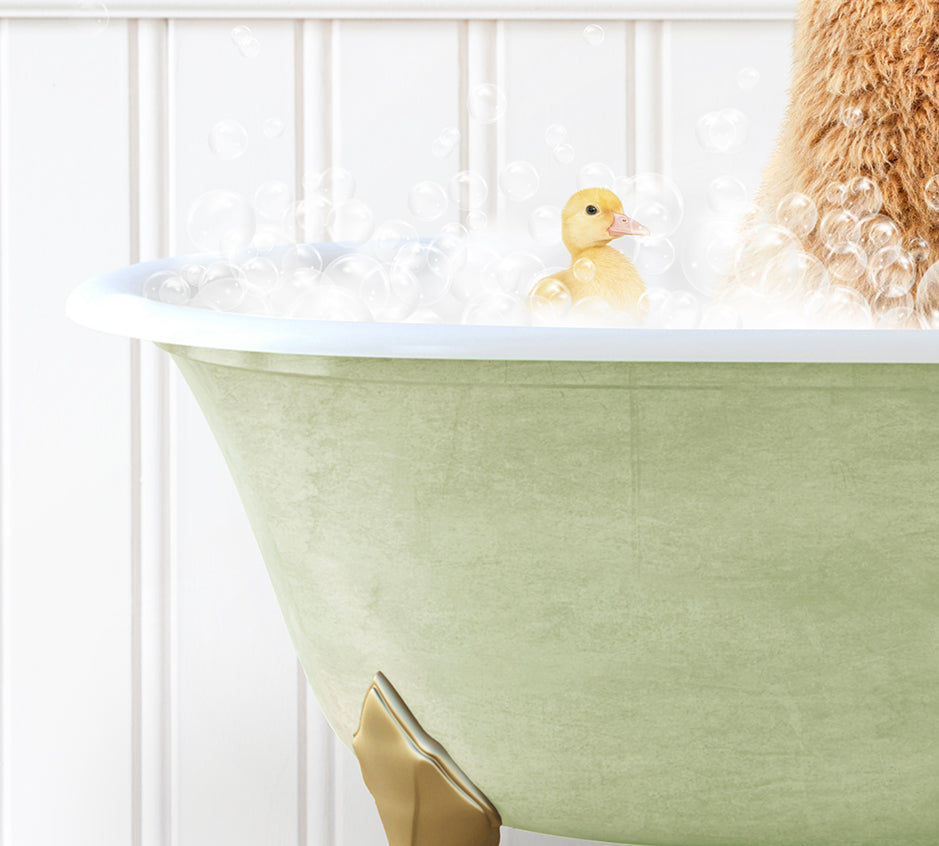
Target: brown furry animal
(880, 57)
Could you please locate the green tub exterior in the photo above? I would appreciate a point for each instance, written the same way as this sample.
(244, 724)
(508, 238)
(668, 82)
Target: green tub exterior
(693, 604)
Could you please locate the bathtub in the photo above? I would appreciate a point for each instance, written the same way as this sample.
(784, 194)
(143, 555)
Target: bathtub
(640, 586)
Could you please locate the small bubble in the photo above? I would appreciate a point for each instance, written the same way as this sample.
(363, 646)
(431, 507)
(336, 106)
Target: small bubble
(519, 181)
(847, 262)
(337, 185)
(174, 290)
(468, 190)
(446, 142)
(593, 34)
(273, 128)
(892, 272)
(487, 103)
(564, 153)
(722, 131)
(93, 19)
(549, 300)
(223, 288)
(350, 221)
(544, 224)
(918, 248)
(154, 282)
(797, 213)
(654, 200)
(584, 270)
(748, 78)
(221, 221)
(228, 139)
(596, 175)
(835, 193)
(306, 220)
(555, 134)
(261, 274)
(427, 200)
(839, 227)
(862, 197)
(878, 231)
(927, 295)
(388, 238)
(727, 195)
(852, 117)
(931, 192)
(656, 255)
(476, 220)
(246, 41)
(272, 199)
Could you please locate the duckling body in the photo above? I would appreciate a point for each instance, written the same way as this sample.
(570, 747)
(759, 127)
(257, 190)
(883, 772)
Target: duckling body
(590, 219)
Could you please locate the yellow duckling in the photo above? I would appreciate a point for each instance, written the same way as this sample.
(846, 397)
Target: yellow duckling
(589, 221)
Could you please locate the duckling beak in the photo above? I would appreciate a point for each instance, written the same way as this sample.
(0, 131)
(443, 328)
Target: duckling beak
(623, 225)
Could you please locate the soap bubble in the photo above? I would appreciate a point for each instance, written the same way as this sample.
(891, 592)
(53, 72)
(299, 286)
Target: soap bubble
(306, 220)
(852, 116)
(845, 308)
(174, 290)
(468, 190)
(797, 213)
(596, 175)
(272, 199)
(549, 301)
(593, 34)
(517, 272)
(748, 78)
(246, 41)
(918, 248)
(835, 193)
(330, 302)
(301, 256)
(432, 267)
(388, 238)
(476, 220)
(228, 139)
(261, 274)
(584, 270)
(470, 268)
(760, 246)
(519, 181)
(707, 257)
(564, 153)
(193, 273)
(877, 232)
(273, 127)
(591, 311)
(554, 135)
(221, 221)
(685, 312)
(496, 308)
(93, 20)
(154, 283)
(654, 200)
(727, 195)
(393, 297)
(656, 255)
(931, 193)
(891, 271)
(544, 224)
(427, 200)
(486, 103)
(847, 262)
(720, 316)
(223, 287)
(927, 295)
(839, 227)
(350, 221)
(337, 185)
(862, 197)
(446, 142)
(793, 273)
(292, 287)
(897, 317)
(722, 131)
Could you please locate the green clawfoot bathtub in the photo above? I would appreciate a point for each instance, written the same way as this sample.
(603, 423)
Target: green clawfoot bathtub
(648, 587)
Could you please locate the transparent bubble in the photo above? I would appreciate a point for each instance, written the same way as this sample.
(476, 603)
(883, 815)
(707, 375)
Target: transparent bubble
(839, 227)
(862, 197)
(468, 190)
(517, 271)
(584, 270)
(392, 297)
(564, 153)
(446, 142)
(918, 248)
(797, 213)
(175, 291)
(727, 195)
(261, 274)
(519, 181)
(246, 41)
(593, 34)
(544, 224)
(835, 193)
(330, 302)
(931, 193)
(389, 237)
(555, 134)
(154, 283)
(432, 267)
(272, 199)
(350, 221)
(852, 116)
(654, 200)
(496, 308)
(267, 236)
(476, 220)
(350, 271)
(337, 185)
(720, 316)
(293, 286)
(427, 200)
(897, 317)
(274, 127)
(877, 232)
(927, 295)
(656, 255)
(223, 287)
(722, 131)
(884, 302)
(92, 20)
(748, 78)
(306, 220)
(794, 273)
(221, 221)
(487, 103)
(845, 308)
(847, 262)
(760, 246)
(471, 274)
(301, 256)
(707, 257)
(194, 274)
(228, 139)
(549, 301)
(596, 175)
(685, 312)
(656, 305)
(892, 271)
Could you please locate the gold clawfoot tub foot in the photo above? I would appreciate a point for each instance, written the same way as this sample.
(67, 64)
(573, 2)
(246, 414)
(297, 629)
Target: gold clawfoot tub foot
(423, 797)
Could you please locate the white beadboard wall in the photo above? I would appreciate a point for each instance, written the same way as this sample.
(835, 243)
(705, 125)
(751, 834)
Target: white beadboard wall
(150, 696)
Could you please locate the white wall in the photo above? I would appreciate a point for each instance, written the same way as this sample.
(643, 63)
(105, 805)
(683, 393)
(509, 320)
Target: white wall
(149, 691)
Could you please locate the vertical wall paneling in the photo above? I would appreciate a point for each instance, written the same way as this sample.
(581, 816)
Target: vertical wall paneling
(236, 670)
(67, 452)
(316, 99)
(649, 96)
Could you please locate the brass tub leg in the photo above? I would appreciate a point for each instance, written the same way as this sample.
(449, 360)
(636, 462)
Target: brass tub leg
(423, 797)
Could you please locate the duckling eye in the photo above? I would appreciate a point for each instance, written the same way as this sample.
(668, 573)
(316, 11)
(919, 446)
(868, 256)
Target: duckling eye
(591, 209)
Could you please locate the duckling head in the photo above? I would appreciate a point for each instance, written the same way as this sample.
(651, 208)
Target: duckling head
(592, 218)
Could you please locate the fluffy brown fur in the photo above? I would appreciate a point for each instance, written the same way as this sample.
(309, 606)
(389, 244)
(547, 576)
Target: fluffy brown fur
(881, 56)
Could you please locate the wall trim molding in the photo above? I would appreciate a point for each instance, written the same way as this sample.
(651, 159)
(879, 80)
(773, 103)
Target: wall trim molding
(729, 10)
